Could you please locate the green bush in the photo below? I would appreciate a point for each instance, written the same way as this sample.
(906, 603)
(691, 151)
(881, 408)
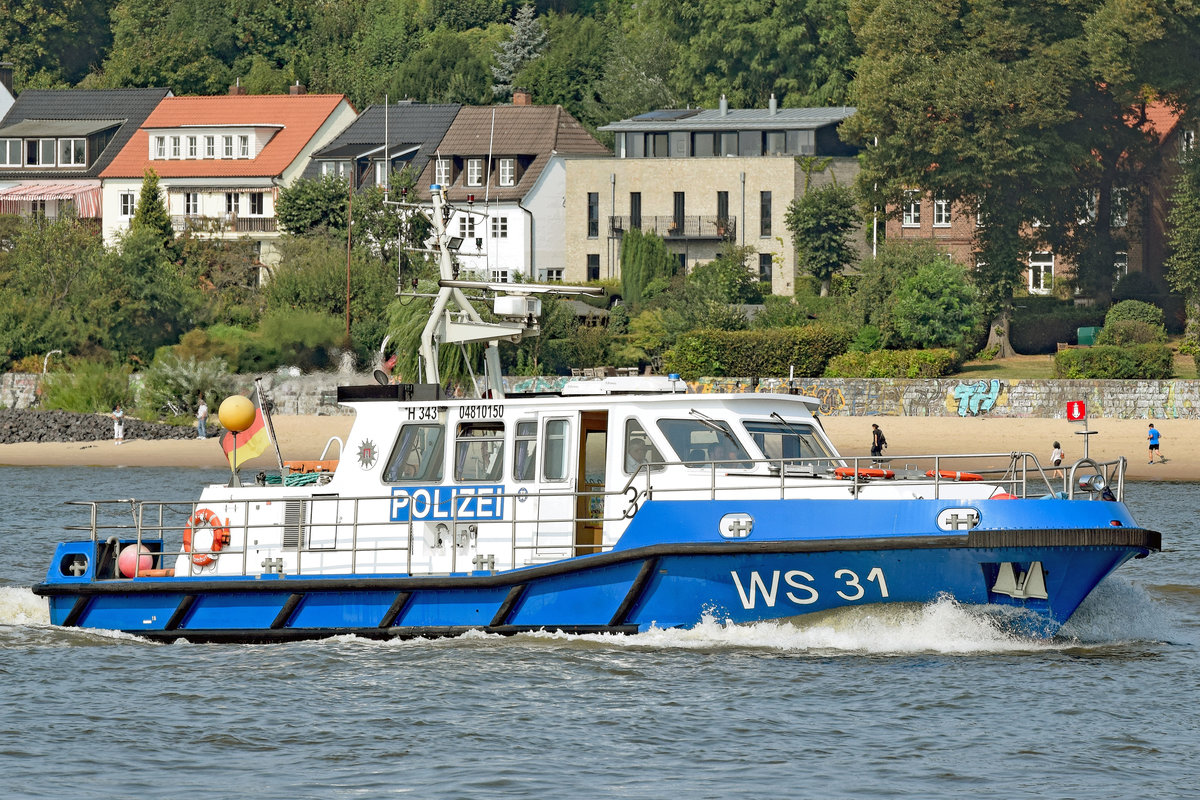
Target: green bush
(1040, 326)
(173, 386)
(868, 339)
(894, 364)
(306, 339)
(88, 387)
(1141, 361)
(1130, 331)
(1134, 309)
(756, 353)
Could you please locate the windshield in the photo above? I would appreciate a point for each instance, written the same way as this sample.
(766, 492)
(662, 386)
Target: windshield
(697, 443)
(791, 442)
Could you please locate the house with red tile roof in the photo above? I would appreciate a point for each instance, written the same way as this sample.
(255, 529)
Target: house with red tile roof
(502, 169)
(221, 161)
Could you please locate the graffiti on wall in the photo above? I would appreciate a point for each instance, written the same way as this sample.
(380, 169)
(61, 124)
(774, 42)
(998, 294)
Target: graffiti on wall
(831, 397)
(976, 397)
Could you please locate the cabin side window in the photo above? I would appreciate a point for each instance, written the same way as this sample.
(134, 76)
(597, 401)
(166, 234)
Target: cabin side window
(417, 455)
(525, 451)
(554, 459)
(698, 443)
(479, 451)
(639, 449)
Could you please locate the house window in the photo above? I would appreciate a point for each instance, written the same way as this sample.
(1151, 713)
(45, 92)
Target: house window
(466, 226)
(555, 275)
(912, 210)
(765, 261)
(729, 144)
(191, 204)
(256, 203)
(593, 214)
(191, 147)
(764, 213)
(441, 172)
(657, 145)
(227, 141)
(160, 147)
(475, 172)
(703, 145)
(10, 152)
(337, 168)
(72, 152)
(380, 173)
(175, 147)
(722, 208)
(1120, 207)
(499, 227)
(1120, 265)
(232, 203)
(500, 276)
(243, 147)
(1041, 273)
(1187, 142)
(776, 143)
(210, 147)
(677, 214)
(128, 204)
(593, 266)
(941, 213)
(508, 171)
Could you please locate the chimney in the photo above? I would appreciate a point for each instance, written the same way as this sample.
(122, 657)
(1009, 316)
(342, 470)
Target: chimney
(6, 76)
(237, 87)
(724, 106)
(773, 105)
(522, 97)
(297, 89)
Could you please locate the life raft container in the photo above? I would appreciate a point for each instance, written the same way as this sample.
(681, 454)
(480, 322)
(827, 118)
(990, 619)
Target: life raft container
(863, 472)
(205, 518)
(951, 475)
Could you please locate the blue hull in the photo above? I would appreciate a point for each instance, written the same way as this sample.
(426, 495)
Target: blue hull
(670, 569)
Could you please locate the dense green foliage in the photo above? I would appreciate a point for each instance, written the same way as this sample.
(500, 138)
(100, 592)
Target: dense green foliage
(821, 221)
(1184, 262)
(1134, 310)
(934, 363)
(762, 354)
(646, 267)
(937, 307)
(1145, 361)
(88, 387)
(1041, 323)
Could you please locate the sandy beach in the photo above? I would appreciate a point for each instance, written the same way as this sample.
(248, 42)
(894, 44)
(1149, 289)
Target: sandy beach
(305, 437)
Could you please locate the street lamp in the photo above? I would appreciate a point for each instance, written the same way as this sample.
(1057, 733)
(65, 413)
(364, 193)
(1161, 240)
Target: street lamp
(46, 360)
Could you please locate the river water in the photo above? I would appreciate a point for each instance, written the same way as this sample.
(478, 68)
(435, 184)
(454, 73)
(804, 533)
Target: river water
(930, 702)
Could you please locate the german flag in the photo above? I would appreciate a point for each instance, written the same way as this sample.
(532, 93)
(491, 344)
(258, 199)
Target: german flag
(250, 442)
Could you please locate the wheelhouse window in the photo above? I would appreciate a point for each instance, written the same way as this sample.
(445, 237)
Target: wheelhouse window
(787, 441)
(699, 442)
(554, 457)
(639, 450)
(72, 152)
(479, 451)
(525, 451)
(417, 455)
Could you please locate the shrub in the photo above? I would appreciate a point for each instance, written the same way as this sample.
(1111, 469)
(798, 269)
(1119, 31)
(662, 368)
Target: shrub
(758, 353)
(894, 364)
(1142, 361)
(89, 387)
(173, 386)
(1134, 309)
(868, 338)
(1130, 331)
(306, 339)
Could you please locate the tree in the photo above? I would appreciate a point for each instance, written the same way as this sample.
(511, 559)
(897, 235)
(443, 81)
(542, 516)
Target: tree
(1184, 262)
(313, 204)
(523, 45)
(728, 278)
(936, 307)
(151, 213)
(53, 42)
(572, 64)
(646, 267)
(821, 221)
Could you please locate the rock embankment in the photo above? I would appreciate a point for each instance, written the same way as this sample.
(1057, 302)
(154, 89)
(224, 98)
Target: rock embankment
(22, 425)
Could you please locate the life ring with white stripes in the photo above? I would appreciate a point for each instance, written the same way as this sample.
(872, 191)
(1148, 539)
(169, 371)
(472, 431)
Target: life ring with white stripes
(951, 475)
(205, 518)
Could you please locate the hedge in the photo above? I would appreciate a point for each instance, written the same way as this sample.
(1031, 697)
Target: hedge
(757, 353)
(1145, 361)
(894, 364)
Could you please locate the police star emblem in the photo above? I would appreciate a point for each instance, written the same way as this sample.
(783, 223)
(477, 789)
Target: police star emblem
(367, 454)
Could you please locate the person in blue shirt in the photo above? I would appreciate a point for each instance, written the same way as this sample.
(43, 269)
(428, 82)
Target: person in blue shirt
(1152, 436)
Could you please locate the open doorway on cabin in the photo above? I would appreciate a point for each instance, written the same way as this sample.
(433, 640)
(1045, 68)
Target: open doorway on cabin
(589, 502)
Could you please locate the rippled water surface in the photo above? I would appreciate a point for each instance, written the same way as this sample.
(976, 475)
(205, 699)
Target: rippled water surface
(929, 702)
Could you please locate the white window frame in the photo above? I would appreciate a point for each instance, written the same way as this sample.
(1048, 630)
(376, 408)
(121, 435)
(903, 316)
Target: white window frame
(191, 204)
(474, 172)
(941, 213)
(160, 147)
(554, 275)
(466, 226)
(233, 203)
(499, 227)
(500, 276)
(380, 172)
(441, 172)
(72, 152)
(1187, 142)
(192, 152)
(128, 203)
(1042, 265)
(227, 147)
(243, 146)
(508, 171)
(7, 148)
(256, 199)
(210, 147)
(912, 210)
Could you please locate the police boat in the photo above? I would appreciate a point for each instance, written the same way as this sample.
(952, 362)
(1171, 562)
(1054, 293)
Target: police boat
(615, 505)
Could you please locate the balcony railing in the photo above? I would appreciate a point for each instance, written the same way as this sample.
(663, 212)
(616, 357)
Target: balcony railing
(223, 224)
(671, 227)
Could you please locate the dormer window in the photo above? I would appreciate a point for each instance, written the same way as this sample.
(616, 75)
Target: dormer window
(508, 171)
(227, 141)
(441, 172)
(39, 152)
(10, 152)
(243, 147)
(475, 172)
(210, 147)
(176, 152)
(160, 147)
(72, 152)
(191, 147)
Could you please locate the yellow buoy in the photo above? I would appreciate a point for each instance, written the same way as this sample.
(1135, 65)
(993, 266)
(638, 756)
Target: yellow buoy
(236, 413)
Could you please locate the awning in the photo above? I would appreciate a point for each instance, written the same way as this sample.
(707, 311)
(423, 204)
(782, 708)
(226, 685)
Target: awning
(85, 196)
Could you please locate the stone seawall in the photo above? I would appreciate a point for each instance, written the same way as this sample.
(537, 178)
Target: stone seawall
(943, 397)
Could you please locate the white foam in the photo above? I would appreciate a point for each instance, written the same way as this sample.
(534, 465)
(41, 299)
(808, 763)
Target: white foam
(1118, 611)
(20, 606)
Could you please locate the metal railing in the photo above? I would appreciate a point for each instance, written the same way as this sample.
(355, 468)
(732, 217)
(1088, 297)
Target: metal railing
(672, 227)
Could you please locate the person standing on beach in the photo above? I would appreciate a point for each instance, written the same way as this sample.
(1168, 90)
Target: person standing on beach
(1152, 437)
(118, 418)
(878, 442)
(1056, 458)
(202, 420)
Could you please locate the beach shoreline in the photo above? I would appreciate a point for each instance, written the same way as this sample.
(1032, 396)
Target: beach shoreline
(307, 437)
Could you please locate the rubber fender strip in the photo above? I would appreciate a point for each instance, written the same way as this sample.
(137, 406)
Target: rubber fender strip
(636, 589)
(181, 611)
(510, 602)
(81, 603)
(285, 613)
(389, 617)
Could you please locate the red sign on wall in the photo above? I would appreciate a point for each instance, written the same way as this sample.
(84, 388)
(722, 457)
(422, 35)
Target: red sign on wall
(1076, 411)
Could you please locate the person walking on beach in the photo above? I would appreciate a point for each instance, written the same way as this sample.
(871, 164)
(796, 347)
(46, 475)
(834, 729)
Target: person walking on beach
(118, 418)
(202, 420)
(1152, 437)
(1056, 458)
(878, 442)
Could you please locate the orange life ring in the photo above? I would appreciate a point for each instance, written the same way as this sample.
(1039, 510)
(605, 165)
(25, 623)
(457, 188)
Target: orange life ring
(205, 518)
(848, 472)
(1003, 496)
(951, 475)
